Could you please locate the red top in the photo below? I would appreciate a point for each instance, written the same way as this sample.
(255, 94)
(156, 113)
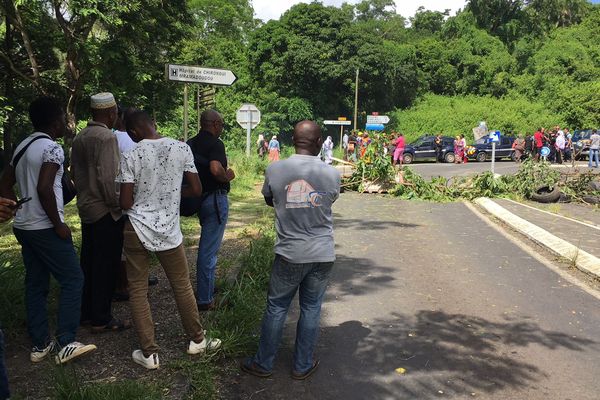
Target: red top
(538, 139)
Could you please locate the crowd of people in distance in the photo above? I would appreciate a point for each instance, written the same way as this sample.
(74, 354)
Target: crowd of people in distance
(130, 182)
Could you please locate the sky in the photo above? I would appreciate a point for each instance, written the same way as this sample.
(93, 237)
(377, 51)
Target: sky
(272, 9)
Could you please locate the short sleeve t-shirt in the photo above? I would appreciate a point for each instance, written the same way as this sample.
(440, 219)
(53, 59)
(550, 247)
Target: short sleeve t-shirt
(303, 190)
(31, 215)
(125, 142)
(538, 138)
(211, 148)
(595, 141)
(156, 168)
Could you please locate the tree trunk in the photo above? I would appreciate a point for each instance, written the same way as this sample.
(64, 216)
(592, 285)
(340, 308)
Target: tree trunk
(8, 93)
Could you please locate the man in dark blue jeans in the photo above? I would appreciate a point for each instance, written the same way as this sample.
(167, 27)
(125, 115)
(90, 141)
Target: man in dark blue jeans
(215, 177)
(46, 243)
(302, 189)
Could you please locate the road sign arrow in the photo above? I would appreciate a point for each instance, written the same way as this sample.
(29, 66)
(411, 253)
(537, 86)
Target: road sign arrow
(193, 74)
(377, 119)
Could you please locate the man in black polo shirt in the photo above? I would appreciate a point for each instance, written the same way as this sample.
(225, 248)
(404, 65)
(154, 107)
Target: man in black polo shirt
(215, 178)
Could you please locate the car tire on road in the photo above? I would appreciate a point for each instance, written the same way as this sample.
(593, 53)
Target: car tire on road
(546, 194)
(449, 158)
(481, 157)
(407, 158)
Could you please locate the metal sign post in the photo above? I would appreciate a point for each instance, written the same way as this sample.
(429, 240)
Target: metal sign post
(185, 112)
(193, 74)
(494, 138)
(493, 158)
(341, 122)
(248, 116)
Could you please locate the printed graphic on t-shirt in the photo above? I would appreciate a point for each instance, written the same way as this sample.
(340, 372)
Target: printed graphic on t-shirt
(300, 194)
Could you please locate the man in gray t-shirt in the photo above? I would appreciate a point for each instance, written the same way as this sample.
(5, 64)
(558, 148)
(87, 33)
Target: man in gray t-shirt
(302, 189)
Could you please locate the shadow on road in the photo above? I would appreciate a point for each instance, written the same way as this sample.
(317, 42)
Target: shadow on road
(450, 354)
(353, 276)
(365, 224)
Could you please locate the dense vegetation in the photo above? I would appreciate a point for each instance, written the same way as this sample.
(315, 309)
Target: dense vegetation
(515, 63)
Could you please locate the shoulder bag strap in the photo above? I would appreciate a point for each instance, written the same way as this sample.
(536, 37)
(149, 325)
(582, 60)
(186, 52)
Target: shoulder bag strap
(20, 154)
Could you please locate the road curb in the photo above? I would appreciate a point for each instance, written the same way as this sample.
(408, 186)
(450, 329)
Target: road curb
(584, 261)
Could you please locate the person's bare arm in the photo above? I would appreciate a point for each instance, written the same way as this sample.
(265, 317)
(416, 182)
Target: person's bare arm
(7, 183)
(126, 196)
(45, 191)
(220, 174)
(7, 209)
(193, 188)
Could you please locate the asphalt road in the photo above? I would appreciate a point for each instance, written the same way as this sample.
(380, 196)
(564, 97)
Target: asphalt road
(427, 301)
(428, 170)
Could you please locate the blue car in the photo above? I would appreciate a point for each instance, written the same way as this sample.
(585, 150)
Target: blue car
(481, 150)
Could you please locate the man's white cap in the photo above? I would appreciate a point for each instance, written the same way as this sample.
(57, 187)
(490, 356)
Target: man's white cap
(102, 101)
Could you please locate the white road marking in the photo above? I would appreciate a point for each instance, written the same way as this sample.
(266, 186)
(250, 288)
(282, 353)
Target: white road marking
(555, 215)
(533, 253)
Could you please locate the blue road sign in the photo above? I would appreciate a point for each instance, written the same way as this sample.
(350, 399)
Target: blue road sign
(545, 152)
(374, 127)
(495, 137)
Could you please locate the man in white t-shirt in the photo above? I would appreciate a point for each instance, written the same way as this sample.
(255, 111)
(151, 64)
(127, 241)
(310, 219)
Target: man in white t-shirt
(150, 178)
(46, 242)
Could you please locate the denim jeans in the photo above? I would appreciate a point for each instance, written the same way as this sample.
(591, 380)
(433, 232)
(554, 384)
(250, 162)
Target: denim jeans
(594, 155)
(286, 278)
(213, 218)
(4, 393)
(45, 254)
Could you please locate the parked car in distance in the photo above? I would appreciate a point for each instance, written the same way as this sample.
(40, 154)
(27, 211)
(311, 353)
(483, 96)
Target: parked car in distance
(483, 149)
(581, 143)
(424, 149)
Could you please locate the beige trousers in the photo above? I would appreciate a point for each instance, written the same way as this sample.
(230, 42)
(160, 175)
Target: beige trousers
(174, 262)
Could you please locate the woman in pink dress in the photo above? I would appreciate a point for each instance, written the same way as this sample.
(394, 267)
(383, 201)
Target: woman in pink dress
(399, 151)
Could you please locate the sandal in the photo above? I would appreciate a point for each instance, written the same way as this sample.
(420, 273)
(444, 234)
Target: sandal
(114, 325)
(250, 367)
(302, 376)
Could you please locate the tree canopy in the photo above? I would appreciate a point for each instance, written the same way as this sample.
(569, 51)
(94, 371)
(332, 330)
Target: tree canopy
(503, 58)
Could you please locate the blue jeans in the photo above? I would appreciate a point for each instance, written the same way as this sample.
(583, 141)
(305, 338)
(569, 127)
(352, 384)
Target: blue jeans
(594, 155)
(286, 278)
(45, 254)
(4, 393)
(213, 218)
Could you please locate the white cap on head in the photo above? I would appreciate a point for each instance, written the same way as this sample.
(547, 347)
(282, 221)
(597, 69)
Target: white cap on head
(102, 101)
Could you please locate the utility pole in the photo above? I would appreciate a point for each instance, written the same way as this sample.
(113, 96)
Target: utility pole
(356, 100)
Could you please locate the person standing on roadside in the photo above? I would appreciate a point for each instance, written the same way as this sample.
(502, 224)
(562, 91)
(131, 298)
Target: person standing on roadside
(519, 148)
(302, 190)
(215, 178)
(399, 150)
(8, 208)
(45, 239)
(538, 142)
(95, 159)
(274, 149)
(437, 142)
(594, 149)
(150, 178)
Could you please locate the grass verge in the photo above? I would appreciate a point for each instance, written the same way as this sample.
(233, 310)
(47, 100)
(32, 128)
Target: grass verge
(237, 325)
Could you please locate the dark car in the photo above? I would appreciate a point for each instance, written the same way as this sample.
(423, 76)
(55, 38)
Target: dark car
(481, 150)
(424, 149)
(581, 143)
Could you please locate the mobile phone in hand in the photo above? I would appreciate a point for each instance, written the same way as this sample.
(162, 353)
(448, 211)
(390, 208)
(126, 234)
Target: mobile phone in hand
(22, 201)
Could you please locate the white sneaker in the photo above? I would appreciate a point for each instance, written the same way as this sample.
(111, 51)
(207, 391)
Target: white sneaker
(204, 345)
(73, 350)
(150, 362)
(38, 355)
